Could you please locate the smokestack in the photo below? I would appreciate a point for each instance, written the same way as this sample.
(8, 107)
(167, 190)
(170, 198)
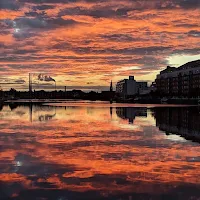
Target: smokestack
(55, 86)
(30, 84)
(65, 94)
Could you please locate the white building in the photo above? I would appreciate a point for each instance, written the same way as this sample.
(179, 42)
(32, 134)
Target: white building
(129, 87)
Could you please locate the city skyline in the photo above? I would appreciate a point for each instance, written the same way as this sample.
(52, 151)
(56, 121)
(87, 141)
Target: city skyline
(44, 81)
(89, 43)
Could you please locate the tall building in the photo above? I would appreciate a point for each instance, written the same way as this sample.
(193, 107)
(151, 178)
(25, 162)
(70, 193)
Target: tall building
(129, 87)
(182, 81)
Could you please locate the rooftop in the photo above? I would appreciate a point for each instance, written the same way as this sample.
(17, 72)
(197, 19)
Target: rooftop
(192, 64)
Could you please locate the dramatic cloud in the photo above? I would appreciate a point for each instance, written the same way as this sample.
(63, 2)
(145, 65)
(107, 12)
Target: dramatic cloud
(90, 42)
(194, 33)
(43, 7)
(9, 5)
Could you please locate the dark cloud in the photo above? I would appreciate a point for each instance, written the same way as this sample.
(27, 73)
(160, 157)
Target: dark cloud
(102, 11)
(96, 12)
(120, 37)
(58, 22)
(106, 12)
(73, 73)
(36, 14)
(39, 23)
(43, 7)
(25, 51)
(6, 24)
(127, 51)
(30, 23)
(188, 4)
(60, 1)
(185, 25)
(24, 22)
(21, 35)
(12, 81)
(190, 51)
(20, 81)
(194, 33)
(145, 61)
(136, 4)
(2, 45)
(168, 4)
(9, 4)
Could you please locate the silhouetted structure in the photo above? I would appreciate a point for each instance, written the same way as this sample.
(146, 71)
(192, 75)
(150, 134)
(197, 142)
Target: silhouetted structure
(183, 81)
(111, 87)
(42, 94)
(30, 83)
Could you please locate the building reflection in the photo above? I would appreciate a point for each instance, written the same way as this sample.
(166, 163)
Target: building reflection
(180, 121)
(84, 154)
(131, 113)
(13, 106)
(44, 113)
(34, 112)
(111, 112)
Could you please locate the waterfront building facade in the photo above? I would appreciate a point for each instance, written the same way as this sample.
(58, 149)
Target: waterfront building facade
(130, 87)
(126, 87)
(183, 81)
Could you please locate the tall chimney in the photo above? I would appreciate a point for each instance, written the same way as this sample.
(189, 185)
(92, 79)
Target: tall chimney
(30, 84)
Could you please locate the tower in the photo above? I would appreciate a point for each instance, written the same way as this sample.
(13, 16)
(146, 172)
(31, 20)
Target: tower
(30, 88)
(111, 86)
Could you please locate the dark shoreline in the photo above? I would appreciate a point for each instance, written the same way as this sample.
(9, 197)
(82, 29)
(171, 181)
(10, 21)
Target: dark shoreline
(186, 102)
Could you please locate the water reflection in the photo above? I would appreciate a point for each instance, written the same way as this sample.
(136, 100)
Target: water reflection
(131, 113)
(86, 152)
(180, 121)
(44, 113)
(28, 112)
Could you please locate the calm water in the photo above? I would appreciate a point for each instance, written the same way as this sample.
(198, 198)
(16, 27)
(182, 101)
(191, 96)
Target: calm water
(92, 151)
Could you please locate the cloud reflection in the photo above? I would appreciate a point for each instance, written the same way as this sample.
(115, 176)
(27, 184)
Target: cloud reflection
(84, 152)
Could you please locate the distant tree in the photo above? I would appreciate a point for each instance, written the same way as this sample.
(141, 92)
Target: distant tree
(12, 90)
(1, 92)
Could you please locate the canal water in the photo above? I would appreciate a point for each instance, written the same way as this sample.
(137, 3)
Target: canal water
(96, 150)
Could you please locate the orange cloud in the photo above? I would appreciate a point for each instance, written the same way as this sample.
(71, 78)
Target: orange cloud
(96, 38)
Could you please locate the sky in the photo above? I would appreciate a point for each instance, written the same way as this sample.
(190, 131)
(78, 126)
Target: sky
(87, 43)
